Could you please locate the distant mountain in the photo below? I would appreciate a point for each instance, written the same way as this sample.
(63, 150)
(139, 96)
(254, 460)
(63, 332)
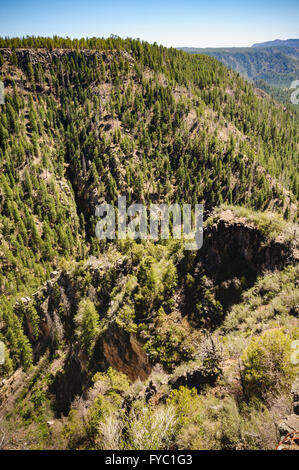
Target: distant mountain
(278, 43)
(278, 66)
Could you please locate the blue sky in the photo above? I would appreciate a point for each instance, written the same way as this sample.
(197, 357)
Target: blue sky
(171, 23)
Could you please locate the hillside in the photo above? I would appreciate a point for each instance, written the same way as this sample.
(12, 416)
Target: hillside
(131, 344)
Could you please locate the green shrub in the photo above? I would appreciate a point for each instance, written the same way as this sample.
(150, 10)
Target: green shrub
(267, 367)
(186, 404)
(115, 381)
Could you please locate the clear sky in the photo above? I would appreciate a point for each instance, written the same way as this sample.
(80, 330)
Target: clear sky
(175, 23)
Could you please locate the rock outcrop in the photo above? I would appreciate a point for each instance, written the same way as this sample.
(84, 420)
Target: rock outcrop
(288, 428)
(121, 350)
(235, 249)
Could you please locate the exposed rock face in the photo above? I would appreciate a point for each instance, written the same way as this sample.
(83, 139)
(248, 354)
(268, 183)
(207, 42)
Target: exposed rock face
(235, 249)
(45, 56)
(121, 350)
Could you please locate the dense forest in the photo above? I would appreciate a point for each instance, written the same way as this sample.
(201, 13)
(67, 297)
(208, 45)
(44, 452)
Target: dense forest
(140, 344)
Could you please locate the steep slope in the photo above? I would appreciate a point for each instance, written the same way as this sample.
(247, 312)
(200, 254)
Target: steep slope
(162, 315)
(87, 322)
(77, 118)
